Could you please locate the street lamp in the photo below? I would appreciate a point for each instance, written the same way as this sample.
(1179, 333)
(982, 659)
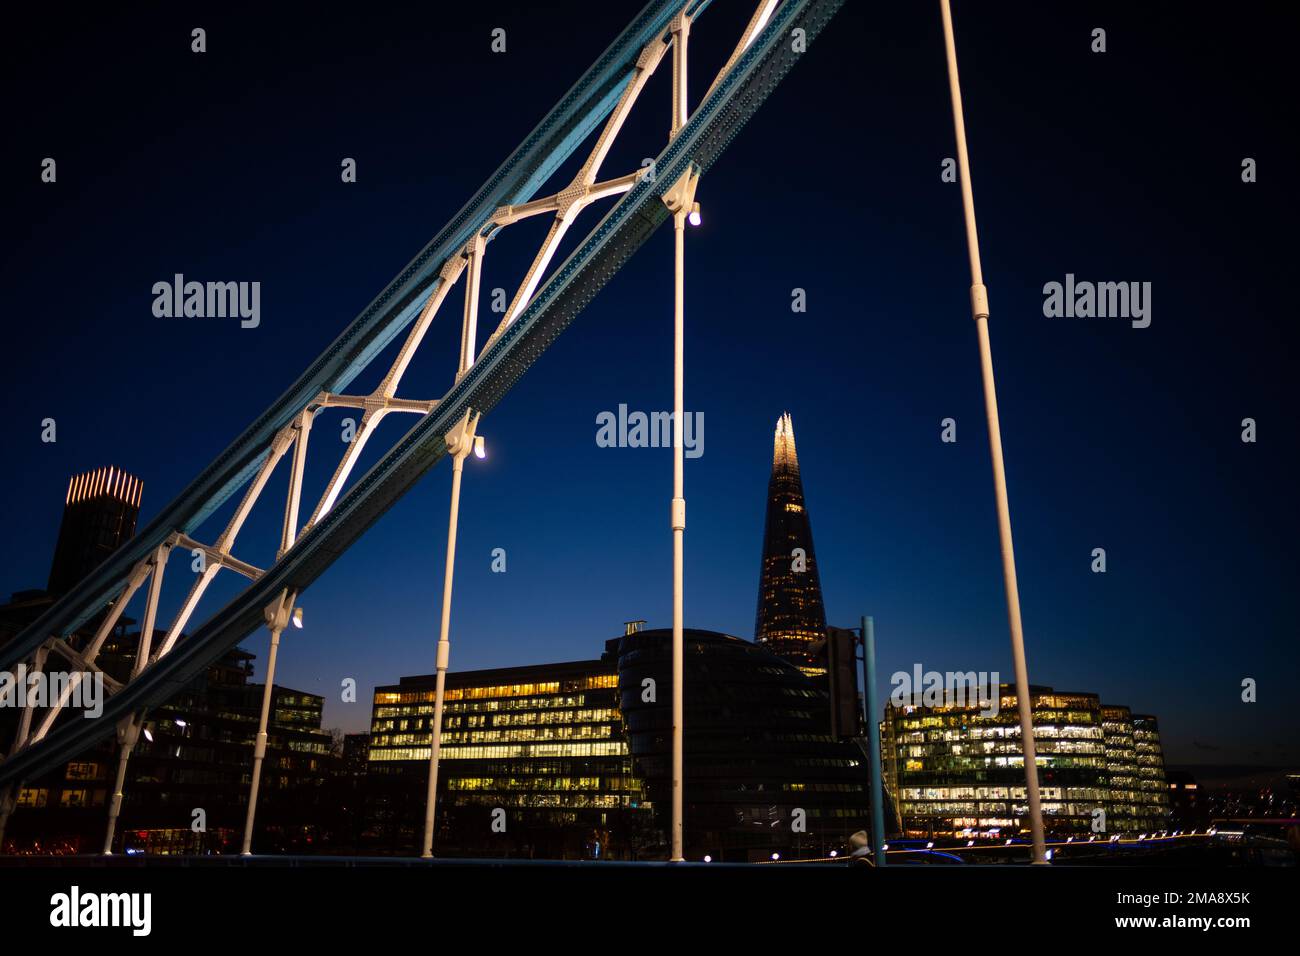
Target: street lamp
(680, 200)
(278, 614)
(461, 440)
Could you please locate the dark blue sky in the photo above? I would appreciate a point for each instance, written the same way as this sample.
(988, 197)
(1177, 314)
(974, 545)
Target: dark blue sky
(1122, 166)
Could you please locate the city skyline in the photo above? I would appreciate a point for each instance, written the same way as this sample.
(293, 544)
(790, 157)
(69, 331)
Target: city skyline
(1111, 439)
(390, 397)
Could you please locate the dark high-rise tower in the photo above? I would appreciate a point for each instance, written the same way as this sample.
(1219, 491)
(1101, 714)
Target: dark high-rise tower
(99, 514)
(791, 616)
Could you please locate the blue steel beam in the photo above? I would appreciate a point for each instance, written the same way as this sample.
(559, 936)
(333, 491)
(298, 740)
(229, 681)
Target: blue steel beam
(572, 286)
(555, 138)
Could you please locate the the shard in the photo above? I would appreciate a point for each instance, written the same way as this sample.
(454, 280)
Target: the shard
(791, 616)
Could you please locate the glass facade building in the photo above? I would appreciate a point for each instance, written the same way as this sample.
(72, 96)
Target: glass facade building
(791, 617)
(1153, 784)
(762, 772)
(577, 755)
(953, 771)
(544, 743)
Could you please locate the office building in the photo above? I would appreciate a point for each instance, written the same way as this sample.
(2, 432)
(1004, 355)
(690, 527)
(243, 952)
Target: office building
(957, 770)
(197, 755)
(100, 508)
(763, 773)
(576, 755)
(543, 743)
(99, 514)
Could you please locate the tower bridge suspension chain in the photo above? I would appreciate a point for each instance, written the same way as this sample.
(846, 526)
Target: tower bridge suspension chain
(538, 313)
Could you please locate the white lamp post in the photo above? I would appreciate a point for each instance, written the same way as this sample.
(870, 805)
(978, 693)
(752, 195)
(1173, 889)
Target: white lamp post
(278, 615)
(680, 200)
(461, 441)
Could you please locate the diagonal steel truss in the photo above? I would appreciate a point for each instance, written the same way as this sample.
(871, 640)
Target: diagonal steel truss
(537, 314)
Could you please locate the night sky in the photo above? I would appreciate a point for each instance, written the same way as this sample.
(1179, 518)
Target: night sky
(1115, 166)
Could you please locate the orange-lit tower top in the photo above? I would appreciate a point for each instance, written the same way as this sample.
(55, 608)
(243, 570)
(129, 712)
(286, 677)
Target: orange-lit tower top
(100, 509)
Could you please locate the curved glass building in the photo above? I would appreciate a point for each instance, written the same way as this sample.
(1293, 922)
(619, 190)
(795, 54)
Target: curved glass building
(763, 774)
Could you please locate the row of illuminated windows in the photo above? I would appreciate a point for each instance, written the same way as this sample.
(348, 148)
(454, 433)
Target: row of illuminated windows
(298, 703)
(974, 725)
(524, 783)
(585, 716)
(957, 712)
(574, 800)
(612, 768)
(1003, 732)
(34, 797)
(1007, 747)
(965, 764)
(467, 693)
(302, 746)
(589, 682)
(562, 732)
(423, 721)
(536, 703)
(1001, 794)
(990, 750)
(967, 826)
(948, 715)
(823, 787)
(955, 799)
(918, 746)
(958, 826)
(558, 732)
(593, 749)
(482, 706)
(954, 808)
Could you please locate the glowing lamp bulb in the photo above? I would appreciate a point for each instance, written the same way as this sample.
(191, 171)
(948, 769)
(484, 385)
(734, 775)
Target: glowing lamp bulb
(694, 217)
(297, 617)
(480, 448)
